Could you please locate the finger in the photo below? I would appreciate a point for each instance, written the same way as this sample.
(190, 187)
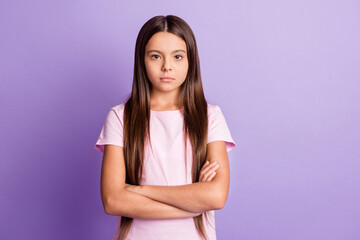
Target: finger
(202, 176)
(207, 171)
(210, 172)
(205, 164)
(213, 168)
(210, 177)
(209, 166)
(213, 176)
(202, 171)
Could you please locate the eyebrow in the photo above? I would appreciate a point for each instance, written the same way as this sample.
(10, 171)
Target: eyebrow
(178, 50)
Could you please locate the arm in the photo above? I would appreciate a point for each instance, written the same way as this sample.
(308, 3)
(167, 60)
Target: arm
(134, 205)
(199, 196)
(119, 201)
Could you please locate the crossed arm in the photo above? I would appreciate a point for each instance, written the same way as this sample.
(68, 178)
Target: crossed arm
(160, 202)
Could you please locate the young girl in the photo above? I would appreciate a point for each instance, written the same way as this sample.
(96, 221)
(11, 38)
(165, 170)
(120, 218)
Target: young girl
(165, 166)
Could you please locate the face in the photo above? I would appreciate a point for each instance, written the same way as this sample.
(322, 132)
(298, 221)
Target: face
(166, 56)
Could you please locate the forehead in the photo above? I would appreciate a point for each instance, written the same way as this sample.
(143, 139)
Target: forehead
(165, 41)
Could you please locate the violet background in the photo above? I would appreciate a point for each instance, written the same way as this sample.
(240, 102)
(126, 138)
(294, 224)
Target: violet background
(285, 74)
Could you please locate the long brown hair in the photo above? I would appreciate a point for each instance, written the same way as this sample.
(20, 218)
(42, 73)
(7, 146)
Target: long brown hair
(137, 110)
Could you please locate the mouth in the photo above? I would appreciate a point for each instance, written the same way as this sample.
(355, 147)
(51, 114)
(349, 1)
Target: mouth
(167, 79)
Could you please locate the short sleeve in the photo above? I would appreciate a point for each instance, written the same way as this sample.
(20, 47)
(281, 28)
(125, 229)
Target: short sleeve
(218, 129)
(112, 131)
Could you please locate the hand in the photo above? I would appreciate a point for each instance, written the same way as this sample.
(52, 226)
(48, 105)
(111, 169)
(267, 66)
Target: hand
(207, 172)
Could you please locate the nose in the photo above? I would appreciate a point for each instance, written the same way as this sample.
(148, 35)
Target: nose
(166, 65)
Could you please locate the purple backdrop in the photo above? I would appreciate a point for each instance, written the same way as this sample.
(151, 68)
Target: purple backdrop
(285, 74)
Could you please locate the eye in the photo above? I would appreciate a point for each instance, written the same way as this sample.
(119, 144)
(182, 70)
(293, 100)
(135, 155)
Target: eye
(154, 55)
(178, 56)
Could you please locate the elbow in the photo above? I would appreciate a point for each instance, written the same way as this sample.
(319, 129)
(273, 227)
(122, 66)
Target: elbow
(113, 205)
(219, 203)
(108, 206)
(220, 197)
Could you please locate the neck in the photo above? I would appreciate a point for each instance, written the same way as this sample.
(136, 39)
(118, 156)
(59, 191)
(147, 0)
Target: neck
(164, 100)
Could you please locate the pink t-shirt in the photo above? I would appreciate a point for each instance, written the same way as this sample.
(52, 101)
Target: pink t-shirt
(165, 165)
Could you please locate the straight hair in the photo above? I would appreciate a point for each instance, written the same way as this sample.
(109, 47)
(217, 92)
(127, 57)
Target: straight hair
(137, 110)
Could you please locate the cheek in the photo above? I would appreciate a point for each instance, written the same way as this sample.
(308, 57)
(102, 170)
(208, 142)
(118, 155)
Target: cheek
(185, 69)
(149, 69)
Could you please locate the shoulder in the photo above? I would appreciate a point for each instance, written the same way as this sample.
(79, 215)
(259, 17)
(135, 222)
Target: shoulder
(117, 112)
(120, 107)
(215, 115)
(212, 109)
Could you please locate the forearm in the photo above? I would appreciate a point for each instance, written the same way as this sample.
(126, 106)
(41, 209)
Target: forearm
(196, 197)
(134, 205)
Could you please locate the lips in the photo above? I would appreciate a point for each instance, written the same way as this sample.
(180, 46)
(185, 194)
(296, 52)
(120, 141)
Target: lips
(167, 79)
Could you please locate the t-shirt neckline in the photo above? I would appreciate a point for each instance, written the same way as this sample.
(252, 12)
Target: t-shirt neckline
(166, 110)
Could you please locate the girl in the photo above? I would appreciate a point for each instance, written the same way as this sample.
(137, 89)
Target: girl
(165, 165)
